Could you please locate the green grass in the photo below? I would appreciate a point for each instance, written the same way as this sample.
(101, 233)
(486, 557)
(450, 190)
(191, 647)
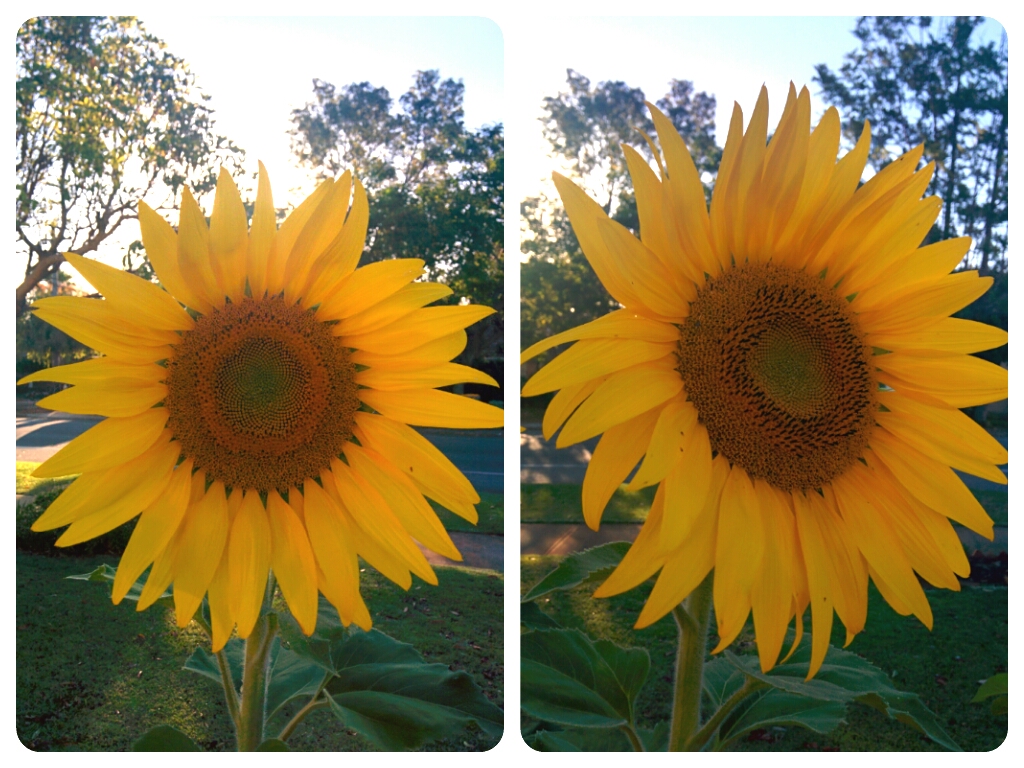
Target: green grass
(28, 484)
(492, 516)
(944, 666)
(94, 676)
(561, 503)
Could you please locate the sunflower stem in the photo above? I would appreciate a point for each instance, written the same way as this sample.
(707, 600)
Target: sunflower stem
(692, 618)
(253, 704)
(699, 739)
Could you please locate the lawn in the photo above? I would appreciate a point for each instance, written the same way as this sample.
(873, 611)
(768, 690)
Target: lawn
(492, 516)
(94, 676)
(28, 484)
(945, 666)
(562, 504)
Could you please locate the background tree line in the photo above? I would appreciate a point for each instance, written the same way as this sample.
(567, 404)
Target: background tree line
(107, 116)
(916, 79)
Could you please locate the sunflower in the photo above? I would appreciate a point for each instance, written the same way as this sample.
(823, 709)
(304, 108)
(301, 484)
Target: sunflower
(258, 406)
(786, 370)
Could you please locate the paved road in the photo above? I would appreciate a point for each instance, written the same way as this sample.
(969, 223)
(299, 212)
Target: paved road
(477, 453)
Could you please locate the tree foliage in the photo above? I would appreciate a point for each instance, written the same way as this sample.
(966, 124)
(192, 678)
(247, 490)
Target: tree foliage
(586, 125)
(436, 188)
(923, 80)
(105, 115)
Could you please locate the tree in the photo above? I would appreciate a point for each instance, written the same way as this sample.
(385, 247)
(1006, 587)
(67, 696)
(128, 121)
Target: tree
(105, 115)
(436, 188)
(587, 125)
(917, 79)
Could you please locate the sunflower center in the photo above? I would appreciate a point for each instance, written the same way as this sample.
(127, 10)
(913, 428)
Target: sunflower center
(777, 369)
(261, 395)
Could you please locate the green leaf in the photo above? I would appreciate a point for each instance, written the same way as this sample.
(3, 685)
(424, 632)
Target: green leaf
(582, 740)
(384, 690)
(780, 708)
(104, 574)
(721, 680)
(571, 680)
(273, 745)
(656, 740)
(997, 685)
(532, 617)
(164, 738)
(845, 677)
(204, 663)
(1000, 705)
(316, 647)
(585, 567)
(292, 676)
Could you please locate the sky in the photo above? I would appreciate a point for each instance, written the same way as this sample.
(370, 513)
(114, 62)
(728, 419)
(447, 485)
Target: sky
(728, 57)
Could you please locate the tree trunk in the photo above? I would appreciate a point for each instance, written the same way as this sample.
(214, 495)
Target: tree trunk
(32, 278)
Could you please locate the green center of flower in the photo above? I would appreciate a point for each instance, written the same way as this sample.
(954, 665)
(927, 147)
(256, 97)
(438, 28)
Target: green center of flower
(776, 366)
(261, 395)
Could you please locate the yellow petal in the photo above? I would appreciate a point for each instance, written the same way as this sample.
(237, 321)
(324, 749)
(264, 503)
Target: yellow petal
(161, 243)
(443, 375)
(402, 498)
(414, 455)
(154, 531)
(937, 299)
(109, 443)
(419, 327)
(387, 311)
(771, 595)
(286, 236)
(332, 538)
(950, 334)
(194, 252)
(94, 324)
(200, 545)
(132, 485)
(617, 453)
(622, 396)
(371, 513)
(718, 222)
(261, 236)
(676, 419)
(221, 618)
(565, 402)
(959, 380)
(433, 408)
(248, 551)
(434, 352)
(643, 559)
(367, 286)
(148, 304)
(592, 358)
(113, 397)
(686, 487)
(292, 557)
(620, 324)
(160, 575)
(98, 369)
(323, 226)
(228, 237)
(738, 552)
(337, 262)
(934, 483)
(815, 553)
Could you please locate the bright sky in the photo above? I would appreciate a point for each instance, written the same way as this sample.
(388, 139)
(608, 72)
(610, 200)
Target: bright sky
(258, 69)
(728, 57)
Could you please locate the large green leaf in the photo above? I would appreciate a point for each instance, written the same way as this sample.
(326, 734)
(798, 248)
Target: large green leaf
(204, 663)
(291, 677)
(104, 574)
(383, 689)
(403, 706)
(316, 647)
(571, 680)
(721, 680)
(591, 565)
(845, 677)
(273, 745)
(581, 740)
(164, 738)
(532, 617)
(775, 707)
(997, 686)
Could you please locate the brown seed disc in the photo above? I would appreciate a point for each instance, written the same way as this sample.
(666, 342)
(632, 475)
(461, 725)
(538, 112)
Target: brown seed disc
(778, 371)
(261, 395)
